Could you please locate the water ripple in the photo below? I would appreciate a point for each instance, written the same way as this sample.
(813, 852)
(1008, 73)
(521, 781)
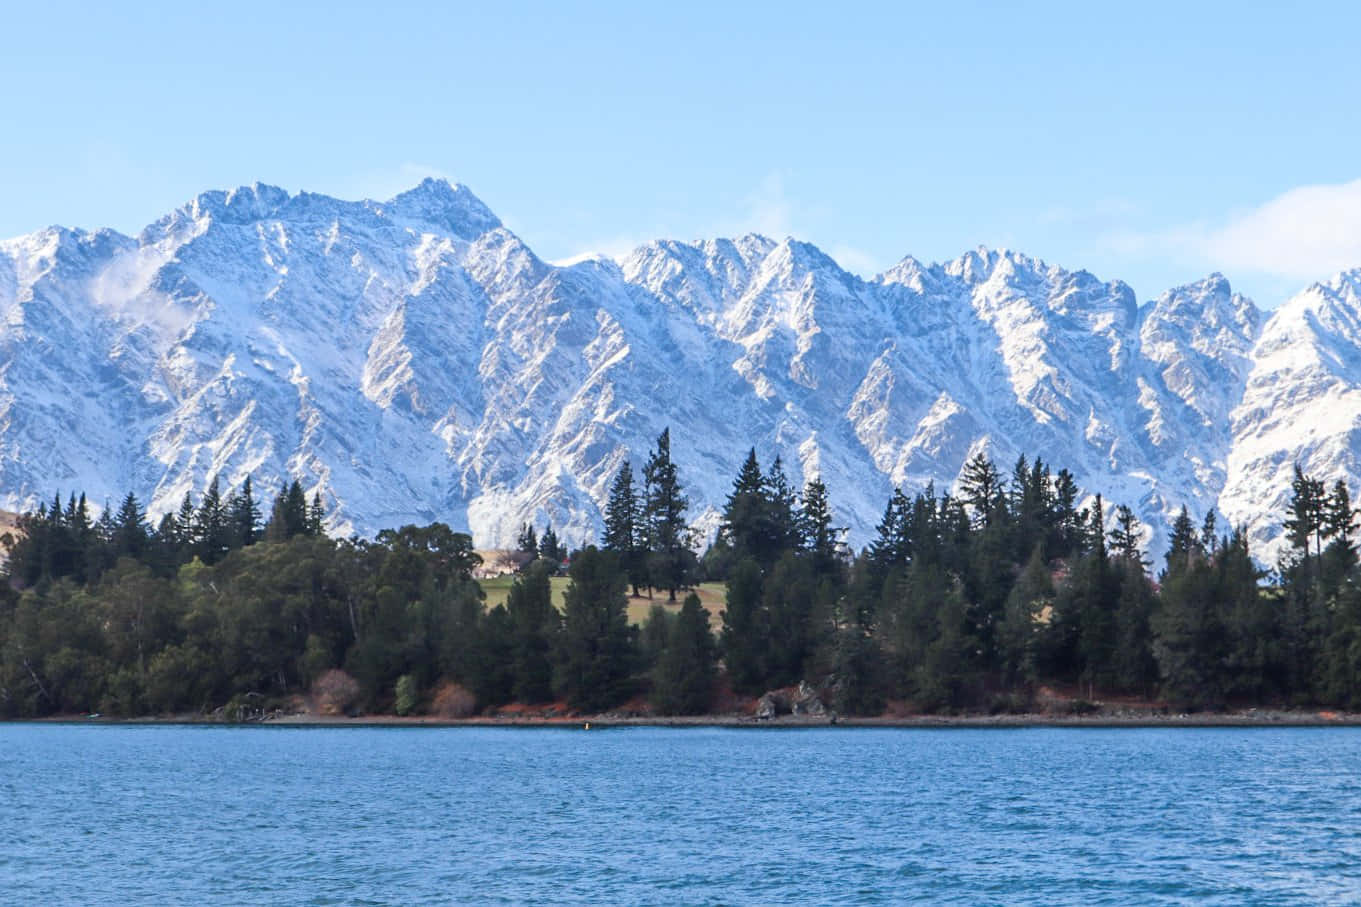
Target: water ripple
(192, 815)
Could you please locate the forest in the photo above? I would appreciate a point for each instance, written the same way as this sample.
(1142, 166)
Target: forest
(963, 603)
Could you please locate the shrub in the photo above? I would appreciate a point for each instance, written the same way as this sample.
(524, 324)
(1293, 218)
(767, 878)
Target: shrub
(335, 692)
(408, 695)
(454, 701)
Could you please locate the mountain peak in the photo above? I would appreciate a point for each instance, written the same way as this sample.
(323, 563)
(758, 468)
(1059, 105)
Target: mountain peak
(448, 207)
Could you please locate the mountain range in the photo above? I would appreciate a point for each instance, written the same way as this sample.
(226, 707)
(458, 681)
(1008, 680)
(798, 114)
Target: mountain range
(413, 360)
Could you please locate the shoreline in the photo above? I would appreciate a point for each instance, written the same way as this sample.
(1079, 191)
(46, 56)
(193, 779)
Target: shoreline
(1247, 719)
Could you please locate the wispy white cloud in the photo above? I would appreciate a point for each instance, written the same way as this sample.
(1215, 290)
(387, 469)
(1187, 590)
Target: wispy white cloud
(1306, 233)
(769, 209)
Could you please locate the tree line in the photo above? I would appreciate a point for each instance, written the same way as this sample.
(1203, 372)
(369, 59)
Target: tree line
(975, 600)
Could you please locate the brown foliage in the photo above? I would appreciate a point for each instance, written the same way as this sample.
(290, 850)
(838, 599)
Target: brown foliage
(454, 701)
(335, 692)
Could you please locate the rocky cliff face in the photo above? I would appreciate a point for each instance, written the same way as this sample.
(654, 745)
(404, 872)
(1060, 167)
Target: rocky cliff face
(413, 360)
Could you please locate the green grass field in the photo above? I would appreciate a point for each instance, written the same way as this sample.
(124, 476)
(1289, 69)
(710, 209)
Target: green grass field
(710, 594)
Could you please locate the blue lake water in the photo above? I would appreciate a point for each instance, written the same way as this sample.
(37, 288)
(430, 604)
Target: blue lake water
(191, 815)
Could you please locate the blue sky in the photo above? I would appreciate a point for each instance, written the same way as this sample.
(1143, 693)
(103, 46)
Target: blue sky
(1154, 143)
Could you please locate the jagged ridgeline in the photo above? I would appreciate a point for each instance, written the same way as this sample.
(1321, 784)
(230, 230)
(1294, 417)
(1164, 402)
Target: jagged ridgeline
(987, 599)
(413, 361)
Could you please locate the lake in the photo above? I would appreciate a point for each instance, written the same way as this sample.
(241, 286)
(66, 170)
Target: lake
(189, 814)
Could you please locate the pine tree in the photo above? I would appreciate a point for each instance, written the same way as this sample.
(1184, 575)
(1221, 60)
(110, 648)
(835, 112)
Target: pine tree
(670, 560)
(130, 535)
(534, 625)
(186, 526)
(549, 549)
(1183, 545)
(211, 526)
(1339, 517)
(1125, 538)
(276, 530)
(289, 516)
(1307, 507)
(1133, 666)
(684, 676)
(947, 677)
(980, 486)
(316, 516)
(784, 530)
(295, 509)
(1190, 639)
(746, 514)
(526, 542)
(818, 537)
(1019, 634)
(1067, 522)
(244, 515)
(1209, 541)
(1252, 618)
(746, 628)
(788, 597)
(855, 663)
(622, 528)
(656, 632)
(1339, 557)
(595, 650)
(893, 541)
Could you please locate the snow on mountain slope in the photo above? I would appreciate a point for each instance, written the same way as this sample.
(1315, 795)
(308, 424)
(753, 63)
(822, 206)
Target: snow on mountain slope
(414, 360)
(1301, 403)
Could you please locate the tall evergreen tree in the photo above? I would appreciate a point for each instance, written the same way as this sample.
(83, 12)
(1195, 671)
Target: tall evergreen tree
(131, 537)
(244, 515)
(746, 529)
(893, 542)
(622, 529)
(1307, 513)
(527, 542)
(980, 487)
(316, 516)
(1019, 634)
(1183, 545)
(1209, 541)
(595, 650)
(1067, 521)
(534, 626)
(746, 628)
(1125, 538)
(549, 548)
(818, 537)
(1339, 526)
(186, 527)
(289, 515)
(683, 681)
(1191, 641)
(1133, 667)
(670, 560)
(784, 528)
(788, 598)
(212, 530)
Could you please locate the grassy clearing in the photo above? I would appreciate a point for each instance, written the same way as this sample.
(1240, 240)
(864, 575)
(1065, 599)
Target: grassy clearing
(710, 594)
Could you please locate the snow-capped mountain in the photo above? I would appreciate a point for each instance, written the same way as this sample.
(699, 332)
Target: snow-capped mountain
(414, 360)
